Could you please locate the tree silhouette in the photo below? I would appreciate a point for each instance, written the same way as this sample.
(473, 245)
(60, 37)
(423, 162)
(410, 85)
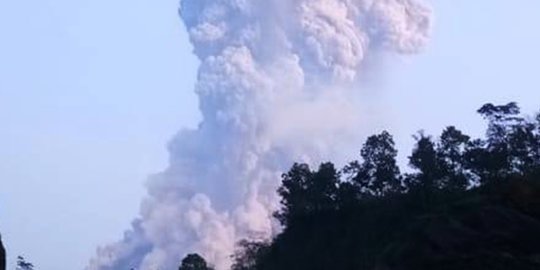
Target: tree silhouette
(247, 254)
(194, 262)
(466, 202)
(304, 192)
(502, 121)
(293, 192)
(323, 187)
(511, 146)
(378, 174)
(450, 153)
(424, 159)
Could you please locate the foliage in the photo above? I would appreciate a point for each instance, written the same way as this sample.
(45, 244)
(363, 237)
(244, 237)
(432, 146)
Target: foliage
(378, 174)
(194, 262)
(248, 253)
(305, 192)
(369, 215)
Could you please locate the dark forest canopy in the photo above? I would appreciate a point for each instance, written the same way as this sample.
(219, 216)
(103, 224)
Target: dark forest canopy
(451, 163)
(467, 204)
(194, 262)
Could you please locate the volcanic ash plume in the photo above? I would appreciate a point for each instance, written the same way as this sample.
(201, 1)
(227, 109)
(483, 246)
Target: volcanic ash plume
(274, 87)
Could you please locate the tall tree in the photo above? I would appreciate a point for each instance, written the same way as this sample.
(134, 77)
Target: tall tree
(523, 147)
(323, 188)
(502, 120)
(450, 154)
(304, 192)
(194, 262)
(378, 174)
(424, 159)
(293, 192)
(477, 161)
(512, 141)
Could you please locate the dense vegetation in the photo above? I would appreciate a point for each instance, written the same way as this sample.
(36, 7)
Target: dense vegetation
(467, 204)
(194, 262)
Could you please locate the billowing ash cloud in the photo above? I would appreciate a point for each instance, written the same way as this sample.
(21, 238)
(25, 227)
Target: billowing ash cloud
(274, 87)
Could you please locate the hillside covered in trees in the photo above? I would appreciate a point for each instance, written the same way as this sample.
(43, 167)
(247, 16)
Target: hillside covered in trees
(467, 204)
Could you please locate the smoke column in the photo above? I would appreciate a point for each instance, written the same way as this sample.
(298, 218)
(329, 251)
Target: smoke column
(275, 86)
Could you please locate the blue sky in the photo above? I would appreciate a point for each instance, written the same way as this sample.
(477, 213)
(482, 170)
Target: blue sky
(91, 91)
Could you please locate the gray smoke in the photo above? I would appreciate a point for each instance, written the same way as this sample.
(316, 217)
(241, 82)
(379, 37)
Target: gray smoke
(274, 87)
